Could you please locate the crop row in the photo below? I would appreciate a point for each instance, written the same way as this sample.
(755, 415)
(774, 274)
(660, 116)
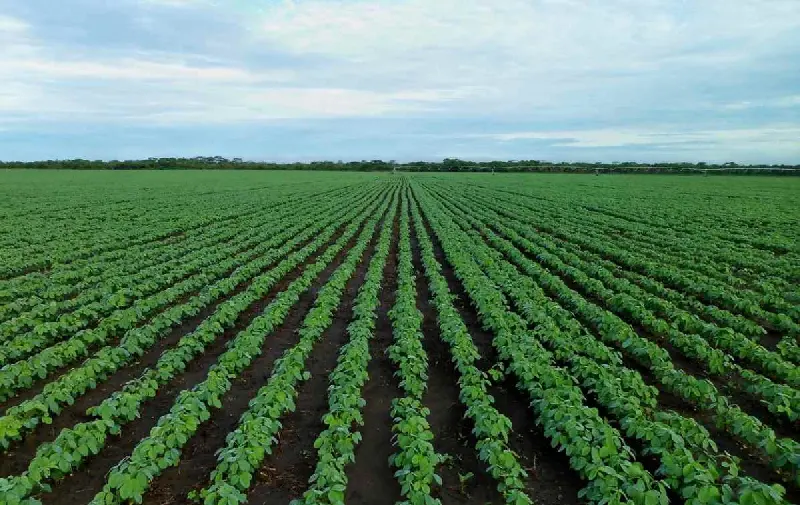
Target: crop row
(491, 428)
(99, 302)
(744, 243)
(416, 459)
(56, 293)
(110, 231)
(708, 312)
(701, 345)
(336, 443)
(660, 261)
(73, 445)
(659, 265)
(74, 277)
(22, 374)
(683, 245)
(108, 360)
(689, 460)
(596, 450)
(161, 449)
(701, 394)
(114, 241)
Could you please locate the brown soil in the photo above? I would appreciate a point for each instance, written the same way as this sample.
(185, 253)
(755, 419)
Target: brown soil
(370, 479)
(76, 413)
(82, 485)
(771, 339)
(284, 475)
(731, 386)
(550, 478)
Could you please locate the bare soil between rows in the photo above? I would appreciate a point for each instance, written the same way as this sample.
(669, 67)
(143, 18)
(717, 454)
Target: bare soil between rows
(550, 478)
(83, 484)
(284, 474)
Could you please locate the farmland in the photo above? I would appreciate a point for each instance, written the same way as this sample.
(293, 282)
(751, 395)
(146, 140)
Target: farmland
(375, 338)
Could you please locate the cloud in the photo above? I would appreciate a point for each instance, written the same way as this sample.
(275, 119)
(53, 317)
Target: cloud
(134, 69)
(772, 135)
(451, 76)
(542, 36)
(292, 103)
(175, 3)
(573, 62)
(775, 143)
(10, 25)
(779, 102)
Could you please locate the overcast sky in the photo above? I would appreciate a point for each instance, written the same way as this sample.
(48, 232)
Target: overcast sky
(609, 80)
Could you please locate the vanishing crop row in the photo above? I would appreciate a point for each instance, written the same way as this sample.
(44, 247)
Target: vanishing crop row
(689, 459)
(161, 449)
(781, 453)
(491, 428)
(415, 460)
(336, 443)
(636, 305)
(108, 360)
(72, 446)
(596, 450)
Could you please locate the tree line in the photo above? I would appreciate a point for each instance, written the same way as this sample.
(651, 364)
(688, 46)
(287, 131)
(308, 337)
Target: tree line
(446, 165)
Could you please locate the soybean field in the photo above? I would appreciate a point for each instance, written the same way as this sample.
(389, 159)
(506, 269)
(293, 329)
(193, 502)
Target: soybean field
(374, 338)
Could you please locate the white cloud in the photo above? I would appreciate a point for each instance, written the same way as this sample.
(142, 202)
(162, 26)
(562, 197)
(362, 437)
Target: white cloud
(775, 135)
(566, 59)
(43, 83)
(133, 69)
(589, 63)
(181, 94)
(780, 102)
(11, 25)
(175, 3)
(284, 103)
(540, 36)
(13, 33)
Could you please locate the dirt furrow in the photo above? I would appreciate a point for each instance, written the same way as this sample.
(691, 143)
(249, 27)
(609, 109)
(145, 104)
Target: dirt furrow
(370, 478)
(284, 475)
(87, 482)
(550, 478)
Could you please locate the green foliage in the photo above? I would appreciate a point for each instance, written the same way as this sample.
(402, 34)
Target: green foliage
(161, 448)
(690, 461)
(258, 427)
(416, 460)
(596, 300)
(446, 165)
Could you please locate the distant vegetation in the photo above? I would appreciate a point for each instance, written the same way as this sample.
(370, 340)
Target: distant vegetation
(446, 165)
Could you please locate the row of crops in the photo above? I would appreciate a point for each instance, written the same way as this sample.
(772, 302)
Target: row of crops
(372, 338)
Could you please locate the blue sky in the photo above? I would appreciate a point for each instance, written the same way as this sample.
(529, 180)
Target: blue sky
(608, 80)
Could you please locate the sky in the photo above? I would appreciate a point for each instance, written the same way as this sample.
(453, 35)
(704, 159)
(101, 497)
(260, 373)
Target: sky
(301, 80)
